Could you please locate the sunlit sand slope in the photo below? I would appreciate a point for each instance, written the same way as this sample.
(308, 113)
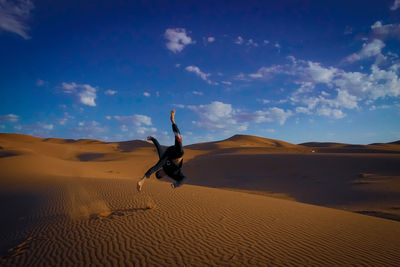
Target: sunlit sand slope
(80, 221)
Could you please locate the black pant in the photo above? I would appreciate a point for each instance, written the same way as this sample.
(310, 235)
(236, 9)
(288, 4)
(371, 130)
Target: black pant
(167, 155)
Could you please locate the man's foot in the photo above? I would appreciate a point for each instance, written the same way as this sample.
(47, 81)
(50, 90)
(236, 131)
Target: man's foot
(177, 184)
(149, 137)
(172, 118)
(139, 185)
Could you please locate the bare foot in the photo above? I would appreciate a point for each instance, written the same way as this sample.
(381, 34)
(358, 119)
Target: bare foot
(139, 185)
(172, 118)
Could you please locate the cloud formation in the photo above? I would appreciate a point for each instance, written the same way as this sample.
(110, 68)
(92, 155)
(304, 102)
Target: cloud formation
(239, 40)
(9, 118)
(91, 129)
(141, 124)
(110, 92)
(218, 116)
(383, 31)
(177, 39)
(85, 92)
(197, 93)
(371, 49)
(396, 5)
(136, 119)
(222, 117)
(14, 16)
(328, 91)
(196, 70)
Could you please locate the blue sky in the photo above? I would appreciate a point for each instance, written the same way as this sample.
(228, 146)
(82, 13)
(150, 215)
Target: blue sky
(112, 70)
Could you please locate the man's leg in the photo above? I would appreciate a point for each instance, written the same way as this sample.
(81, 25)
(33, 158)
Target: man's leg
(178, 140)
(160, 174)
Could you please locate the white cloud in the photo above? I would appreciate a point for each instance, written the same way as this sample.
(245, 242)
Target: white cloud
(373, 107)
(328, 91)
(266, 42)
(211, 39)
(372, 49)
(92, 129)
(264, 101)
(226, 82)
(330, 112)
(48, 126)
(197, 93)
(241, 77)
(85, 92)
(303, 110)
(144, 130)
(69, 87)
(385, 31)
(65, 119)
(272, 114)
(136, 119)
(221, 117)
(218, 116)
(250, 42)
(318, 74)
(9, 118)
(396, 5)
(266, 72)
(179, 105)
(177, 39)
(198, 72)
(110, 92)
(14, 16)
(40, 82)
(87, 95)
(146, 94)
(239, 40)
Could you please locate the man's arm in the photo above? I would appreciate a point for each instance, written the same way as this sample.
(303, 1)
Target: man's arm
(156, 167)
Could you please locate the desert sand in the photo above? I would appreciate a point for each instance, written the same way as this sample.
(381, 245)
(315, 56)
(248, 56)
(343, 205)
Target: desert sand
(74, 202)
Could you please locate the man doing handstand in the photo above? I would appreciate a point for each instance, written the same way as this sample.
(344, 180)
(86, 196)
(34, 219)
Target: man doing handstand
(170, 162)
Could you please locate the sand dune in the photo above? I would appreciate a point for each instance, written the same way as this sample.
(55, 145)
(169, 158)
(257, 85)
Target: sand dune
(249, 144)
(74, 201)
(104, 222)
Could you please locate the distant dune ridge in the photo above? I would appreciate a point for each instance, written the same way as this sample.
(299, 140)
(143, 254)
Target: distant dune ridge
(74, 201)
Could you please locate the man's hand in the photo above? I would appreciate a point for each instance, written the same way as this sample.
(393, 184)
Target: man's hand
(149, 137)
(172, 118)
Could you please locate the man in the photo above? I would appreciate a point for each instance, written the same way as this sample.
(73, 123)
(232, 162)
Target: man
(170, 162)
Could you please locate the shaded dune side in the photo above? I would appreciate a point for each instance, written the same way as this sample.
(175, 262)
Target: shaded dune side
(197, 226)
(327, 147)
(336, 180)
